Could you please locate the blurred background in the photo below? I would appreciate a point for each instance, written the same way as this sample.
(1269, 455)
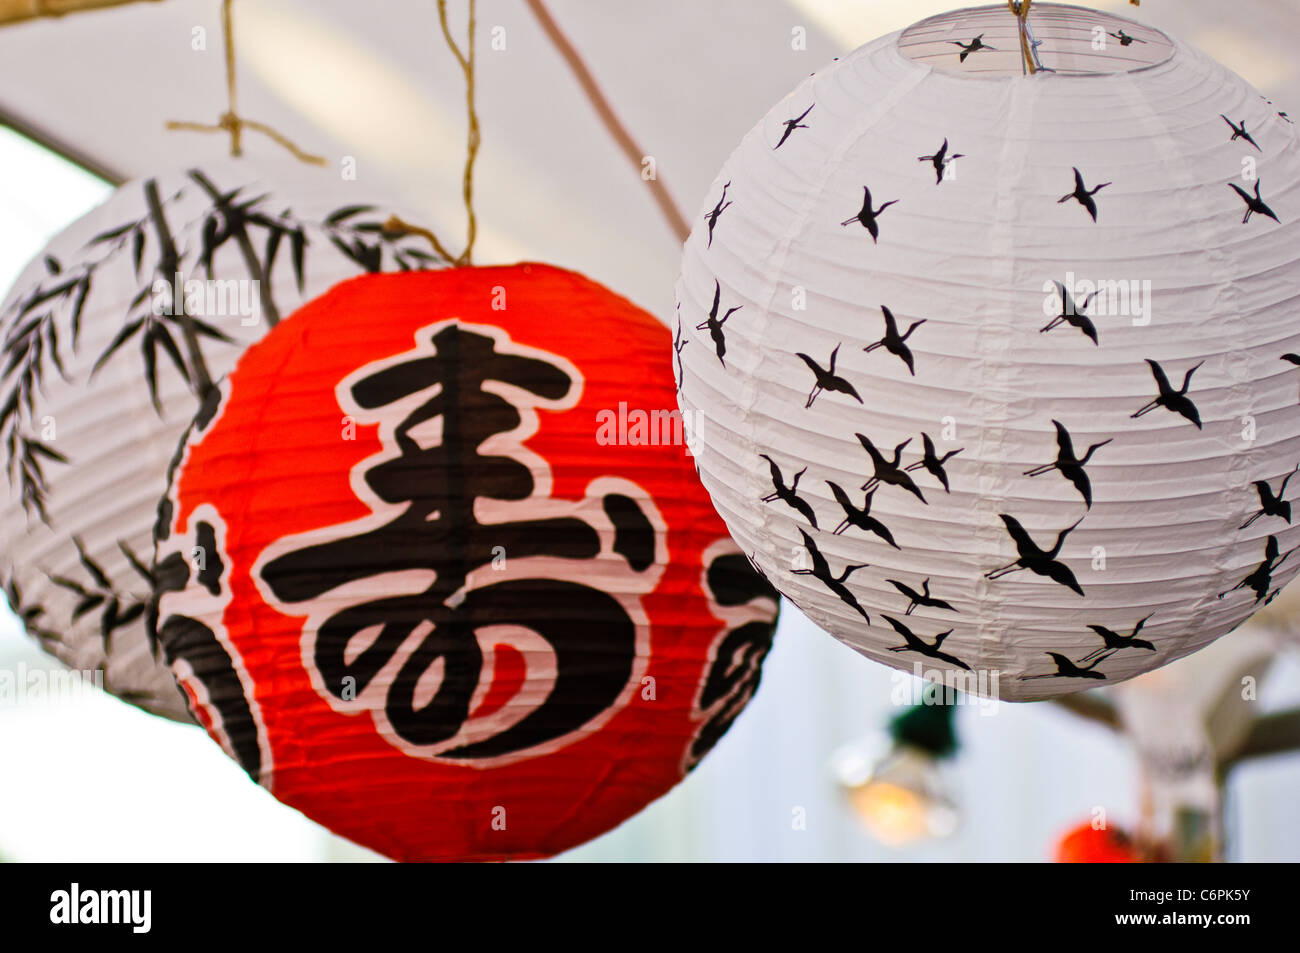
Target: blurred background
(96, 779)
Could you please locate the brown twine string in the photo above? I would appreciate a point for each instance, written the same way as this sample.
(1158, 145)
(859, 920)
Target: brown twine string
(1021, 10)
(466, 60)
(230, 121)
(396, 227)
(606, 113)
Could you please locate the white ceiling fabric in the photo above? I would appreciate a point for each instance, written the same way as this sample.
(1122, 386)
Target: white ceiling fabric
(374, 80)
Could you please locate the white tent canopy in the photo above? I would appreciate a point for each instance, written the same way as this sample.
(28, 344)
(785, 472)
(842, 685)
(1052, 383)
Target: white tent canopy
(375, 81)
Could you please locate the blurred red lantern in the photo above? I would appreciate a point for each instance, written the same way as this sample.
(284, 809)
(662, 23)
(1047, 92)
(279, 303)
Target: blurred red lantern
(1088, 845)
(439, 573)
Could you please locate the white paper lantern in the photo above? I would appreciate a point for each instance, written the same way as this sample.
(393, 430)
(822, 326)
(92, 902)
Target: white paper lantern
(878, 296)
(93, 405)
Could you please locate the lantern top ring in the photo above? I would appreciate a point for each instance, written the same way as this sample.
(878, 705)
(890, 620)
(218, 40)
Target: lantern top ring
(984, 42)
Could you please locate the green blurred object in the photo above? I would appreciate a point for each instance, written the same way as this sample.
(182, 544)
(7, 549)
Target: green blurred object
(928, 727)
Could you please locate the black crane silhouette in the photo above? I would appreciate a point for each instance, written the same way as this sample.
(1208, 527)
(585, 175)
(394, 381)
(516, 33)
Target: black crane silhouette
(1270, 503)
(1253, 202)
(1072, 314)
(1113, 641)
(1281, 114)
(821, 571)
(1260, 579)
(1071, 467)
(922, 598)
(715, 323)
(827, 379)
(861, 518)
(1083, 194)
(1067, 669)
(1125, 39)
(1170, 399)
(679, 345)
(1037, 560)
(894, 342)
(888, 471)
(932, 462)
(973, 46)
(914, 643)
(868, 215)
(789, 494)
(791, 125)
(1239, 132)
(1291, 358)
(940, 160)
(713, 216)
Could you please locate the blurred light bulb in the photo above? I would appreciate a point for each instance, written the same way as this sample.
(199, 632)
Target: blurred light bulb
(902, 800)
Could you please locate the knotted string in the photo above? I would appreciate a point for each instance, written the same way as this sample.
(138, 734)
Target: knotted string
(230, 121)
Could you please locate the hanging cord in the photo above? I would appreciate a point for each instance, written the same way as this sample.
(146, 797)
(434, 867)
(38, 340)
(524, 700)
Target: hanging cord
(395, 226)
(230, 121)
(1021, 11)
(616, 129)
(466, 61)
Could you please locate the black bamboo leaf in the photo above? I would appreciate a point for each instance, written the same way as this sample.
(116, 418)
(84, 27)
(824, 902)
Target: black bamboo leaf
(149, 348)
(139, 298)
(209, 331)
(141, 569)
(122, 337)
(52, 265)
(46, 451)
(108, 622)
(372, 256)
(40, 297)
(210, 244)
(86, 605)
(56, 291)
(342, 214)
(247, 205)
(137, 250)
(8, 410)
(34, 361)
(22, 330)
(63, 582)
(130, 614)
(52, 338)
(169, 345)
(344, 247)
(92, 567)
(17, 354)
(273, 236)
(27, 393)
(78, 304)
(299, 244)
(111, 234)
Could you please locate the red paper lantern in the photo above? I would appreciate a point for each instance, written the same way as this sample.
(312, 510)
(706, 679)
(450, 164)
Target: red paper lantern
(439, 573)
(1088, 845)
